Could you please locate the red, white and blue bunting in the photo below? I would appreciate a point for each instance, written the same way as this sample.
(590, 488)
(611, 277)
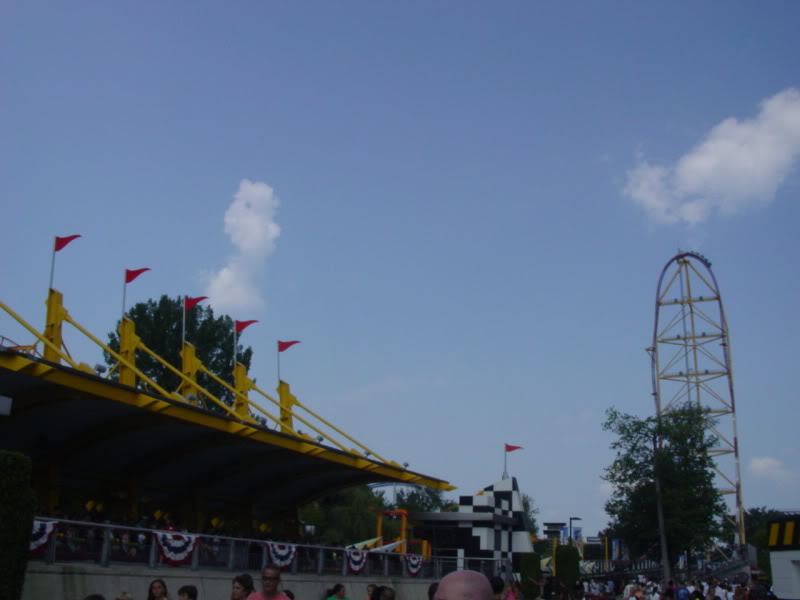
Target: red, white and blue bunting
(176, 548)
(414, 564)
(282, 554)
(356, 560)
(41, 533)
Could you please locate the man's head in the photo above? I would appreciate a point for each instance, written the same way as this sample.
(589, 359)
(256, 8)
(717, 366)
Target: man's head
(464, 585)
(187, 592)
(270, 579)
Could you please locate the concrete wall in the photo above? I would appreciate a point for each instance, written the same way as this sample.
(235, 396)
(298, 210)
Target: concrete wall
(76, 581)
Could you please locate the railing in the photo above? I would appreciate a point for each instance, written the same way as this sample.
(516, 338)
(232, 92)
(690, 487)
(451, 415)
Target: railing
(111, 545)
(241, 407)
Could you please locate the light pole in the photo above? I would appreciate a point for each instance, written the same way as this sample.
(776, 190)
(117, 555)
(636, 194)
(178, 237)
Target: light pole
(571, 519)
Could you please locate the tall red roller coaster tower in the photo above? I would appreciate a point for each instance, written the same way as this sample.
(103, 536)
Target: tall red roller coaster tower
(691, 361)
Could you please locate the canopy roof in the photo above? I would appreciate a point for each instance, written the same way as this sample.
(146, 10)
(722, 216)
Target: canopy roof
(94, 428)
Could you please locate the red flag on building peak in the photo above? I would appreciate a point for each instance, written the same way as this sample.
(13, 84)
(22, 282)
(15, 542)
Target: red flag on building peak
(131, 274)
(286, 345)
(241, 325)
(63, 241)
(510, 448)
(189, 303)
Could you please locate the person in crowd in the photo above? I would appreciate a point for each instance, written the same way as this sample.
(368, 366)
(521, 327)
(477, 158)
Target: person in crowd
(432, 590)
(387, 593)
(756, 591)
(337, 592)
(187, 592)
(289, 594)
(370, 589)
(498, 585)
(595, 590)
(464, 585)
(157, 590)
(577, 590)
(270, 581)
(513, 592)
(242, 587)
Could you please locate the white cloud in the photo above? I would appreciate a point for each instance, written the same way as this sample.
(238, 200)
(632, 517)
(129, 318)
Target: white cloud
(738, 166)
(250, 223)
(771, 469)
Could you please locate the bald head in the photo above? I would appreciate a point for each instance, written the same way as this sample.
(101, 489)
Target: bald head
(464, 585)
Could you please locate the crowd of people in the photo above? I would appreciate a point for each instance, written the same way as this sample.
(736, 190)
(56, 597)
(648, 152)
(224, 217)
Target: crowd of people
(643, 588)
(471, 585)
(244, 588)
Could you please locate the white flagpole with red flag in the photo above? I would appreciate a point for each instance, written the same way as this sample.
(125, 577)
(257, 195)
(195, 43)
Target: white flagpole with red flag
(508, 448)
(59, 244)
(130, 275)
(281, 347)
(238, 327)
(188, 304)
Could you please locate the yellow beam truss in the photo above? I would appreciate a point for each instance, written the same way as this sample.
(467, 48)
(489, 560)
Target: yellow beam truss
(140, 390)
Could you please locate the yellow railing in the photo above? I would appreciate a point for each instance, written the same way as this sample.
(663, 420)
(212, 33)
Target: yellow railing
(128, 374)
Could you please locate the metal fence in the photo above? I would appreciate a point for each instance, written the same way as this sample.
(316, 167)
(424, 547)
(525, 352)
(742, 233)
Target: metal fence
(111, 545)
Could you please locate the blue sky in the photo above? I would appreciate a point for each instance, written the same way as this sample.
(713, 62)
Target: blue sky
(461, 209)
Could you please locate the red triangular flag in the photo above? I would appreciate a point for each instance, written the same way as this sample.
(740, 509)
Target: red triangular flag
(63, 241)
(131, 274)
(510, 448)
(240, 325)
(284, 345)
(190, 303)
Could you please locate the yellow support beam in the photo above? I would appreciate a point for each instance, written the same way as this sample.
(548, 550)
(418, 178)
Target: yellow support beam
(53, 323)
(287, 402)
(243, 385)
(190, 365)
(128, 341)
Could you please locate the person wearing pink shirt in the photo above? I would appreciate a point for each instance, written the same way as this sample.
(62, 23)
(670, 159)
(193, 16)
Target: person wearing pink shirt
(270, 580)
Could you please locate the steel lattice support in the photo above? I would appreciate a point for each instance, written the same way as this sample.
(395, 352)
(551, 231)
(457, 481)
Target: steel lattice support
(691, 361)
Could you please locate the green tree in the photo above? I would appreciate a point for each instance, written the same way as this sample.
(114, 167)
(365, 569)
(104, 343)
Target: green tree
(422, 499)
(158, 324)
(344, 517)
(676, 446)
(529, 513)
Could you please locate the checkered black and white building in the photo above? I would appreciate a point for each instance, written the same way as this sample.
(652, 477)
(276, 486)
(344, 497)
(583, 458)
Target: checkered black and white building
(489, 525)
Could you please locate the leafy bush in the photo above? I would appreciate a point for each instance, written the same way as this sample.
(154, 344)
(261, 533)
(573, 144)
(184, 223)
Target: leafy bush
(17, 503)
(568, 566)
(530, 571)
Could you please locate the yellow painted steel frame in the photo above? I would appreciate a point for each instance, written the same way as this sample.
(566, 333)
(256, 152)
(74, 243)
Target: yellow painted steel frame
(170, 403)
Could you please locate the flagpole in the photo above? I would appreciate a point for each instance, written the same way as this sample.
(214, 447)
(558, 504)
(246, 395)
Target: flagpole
(124, 290)
(52, 266)
(505, 463)
(234, 344)
(183, 326)
(279, 363)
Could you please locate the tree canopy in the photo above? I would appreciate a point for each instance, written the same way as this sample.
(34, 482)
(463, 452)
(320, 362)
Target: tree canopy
(676, 447)
(530, 512)
(158, 324)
